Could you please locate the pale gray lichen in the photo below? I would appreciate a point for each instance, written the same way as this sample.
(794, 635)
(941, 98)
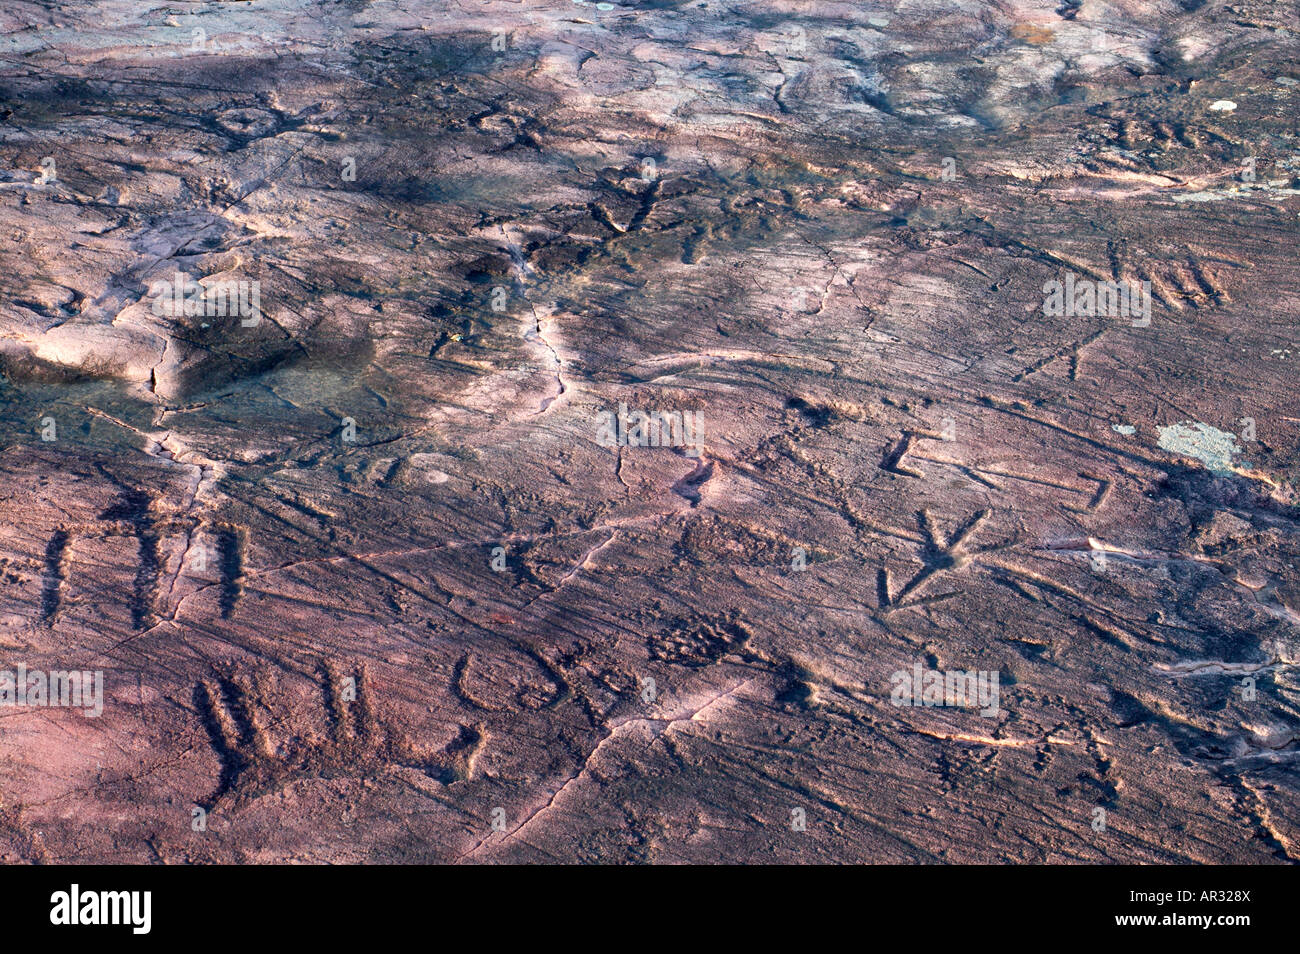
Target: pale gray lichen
(1211, 446)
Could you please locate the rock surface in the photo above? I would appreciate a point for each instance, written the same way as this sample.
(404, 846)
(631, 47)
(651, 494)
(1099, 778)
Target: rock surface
(819, 232)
